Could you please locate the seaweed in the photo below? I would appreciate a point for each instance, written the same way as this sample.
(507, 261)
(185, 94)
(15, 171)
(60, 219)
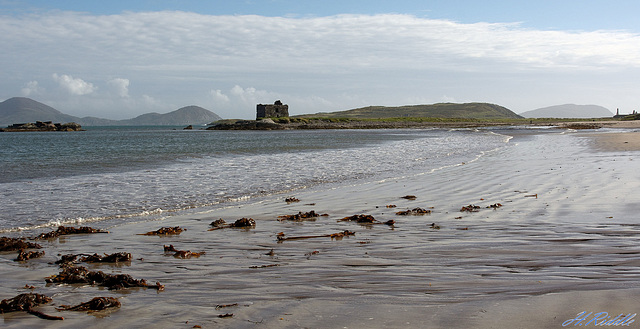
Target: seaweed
(166, 231)
(338, 236)
(359, 219)
(414, 211)
(184, 254)
(470, 208)
(301, 216)
(118, 257)
(366, 220)
(26, 303)
(64, 230)
(264, 266)
(26, 255)
(218, 223)
(225, 305)
(80, 274)
(240, 223)
(95, 304)
(107, 258)
(13, 244)
(495, 206)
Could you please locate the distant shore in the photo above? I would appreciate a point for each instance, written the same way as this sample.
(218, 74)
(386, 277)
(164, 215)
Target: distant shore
(269, 124)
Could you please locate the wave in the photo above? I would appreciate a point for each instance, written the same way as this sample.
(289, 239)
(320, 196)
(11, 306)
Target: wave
(217, 180)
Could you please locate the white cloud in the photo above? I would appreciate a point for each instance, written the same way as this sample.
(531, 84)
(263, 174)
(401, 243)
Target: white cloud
(75, 86)
(251, 95)
(30, 88)
(219, 96)
(149, 102)
(192, 42)
(119, 86)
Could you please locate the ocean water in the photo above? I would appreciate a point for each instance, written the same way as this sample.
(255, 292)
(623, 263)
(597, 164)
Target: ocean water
(120, 174)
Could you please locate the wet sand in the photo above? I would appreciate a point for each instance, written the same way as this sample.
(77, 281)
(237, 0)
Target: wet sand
(629, 141)
(565, 240)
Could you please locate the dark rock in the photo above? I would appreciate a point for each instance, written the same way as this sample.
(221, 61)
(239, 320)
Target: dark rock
(43, 126)
(247, 125)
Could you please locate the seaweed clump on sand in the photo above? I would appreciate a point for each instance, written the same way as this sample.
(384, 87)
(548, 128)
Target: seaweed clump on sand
(94, 305)
(64, 230)
(470, 208)
(107, 258)
(26, 303)
(414, 211)
(26, 255)
(301, 216)
(118, 257)
(240, 223)
(13, 244)
(366, 220)
(166, 231)
(184, 254)
(80, 274)
(334, 236)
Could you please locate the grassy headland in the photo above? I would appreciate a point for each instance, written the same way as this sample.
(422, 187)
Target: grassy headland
(440, 110)
(449, 115)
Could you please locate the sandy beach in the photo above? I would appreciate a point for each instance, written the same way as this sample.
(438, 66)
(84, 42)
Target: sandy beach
(619, 141)
(555, 233)
(608, 142)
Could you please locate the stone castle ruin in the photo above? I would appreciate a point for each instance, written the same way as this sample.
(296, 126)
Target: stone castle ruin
(275, 110)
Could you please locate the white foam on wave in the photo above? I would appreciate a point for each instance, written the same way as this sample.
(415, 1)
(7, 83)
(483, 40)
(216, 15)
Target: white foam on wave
(209, 181)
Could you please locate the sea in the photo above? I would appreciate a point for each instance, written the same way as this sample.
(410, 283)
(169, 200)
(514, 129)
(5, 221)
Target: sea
(114, 175)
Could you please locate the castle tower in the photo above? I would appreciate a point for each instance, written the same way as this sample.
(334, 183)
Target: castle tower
(275, 110)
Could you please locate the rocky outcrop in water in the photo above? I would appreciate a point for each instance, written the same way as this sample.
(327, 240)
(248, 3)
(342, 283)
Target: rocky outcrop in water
(43, 126)
(265, 124)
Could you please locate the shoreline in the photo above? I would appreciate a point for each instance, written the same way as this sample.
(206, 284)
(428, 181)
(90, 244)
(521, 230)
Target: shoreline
(309, 124)
(538, 260)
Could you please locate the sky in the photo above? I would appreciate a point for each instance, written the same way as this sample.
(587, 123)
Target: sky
(119, 59)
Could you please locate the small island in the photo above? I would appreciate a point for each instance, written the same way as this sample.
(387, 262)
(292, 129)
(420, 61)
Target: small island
(42, 126)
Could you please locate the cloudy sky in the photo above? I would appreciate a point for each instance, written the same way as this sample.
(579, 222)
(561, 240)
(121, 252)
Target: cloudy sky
(118, 59)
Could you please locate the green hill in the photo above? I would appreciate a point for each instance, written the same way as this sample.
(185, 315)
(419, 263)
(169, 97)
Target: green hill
(440, 110)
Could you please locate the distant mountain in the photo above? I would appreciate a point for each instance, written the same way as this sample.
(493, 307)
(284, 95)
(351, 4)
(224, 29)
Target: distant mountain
(188, 115)
(440, 110)
(23, 110)
(569, 111)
